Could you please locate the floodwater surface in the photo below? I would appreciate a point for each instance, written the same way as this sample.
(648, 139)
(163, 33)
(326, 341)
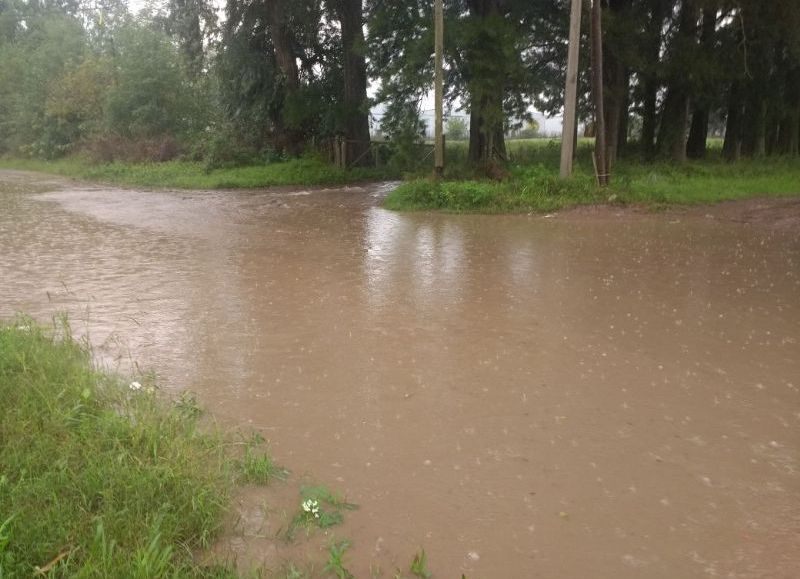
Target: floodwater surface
(602, 396)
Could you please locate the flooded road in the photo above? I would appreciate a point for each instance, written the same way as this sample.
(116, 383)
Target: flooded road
(604, 396)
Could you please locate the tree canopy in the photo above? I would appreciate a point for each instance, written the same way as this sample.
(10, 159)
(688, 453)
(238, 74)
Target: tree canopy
(284, 75)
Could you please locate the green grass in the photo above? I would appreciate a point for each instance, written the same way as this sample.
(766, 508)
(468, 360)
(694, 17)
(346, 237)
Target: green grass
(537, 188)
(99, 478)
(532, 184)
(194, 175)
(335, 565)
(257, 466)
(419, 566)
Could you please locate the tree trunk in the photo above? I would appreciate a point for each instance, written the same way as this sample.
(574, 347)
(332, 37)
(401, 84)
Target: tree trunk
(356, 105)
(698, 133)
(732, 146)
(487, 147)
(615, 79)
(773, 135)
(600, 145)
(790, 124)
(675, 115)
(650, 77)
(624, 118)
(649, 118)
(794, 138)
(754, 142)
(615, 108)
(286, 138)
(283, 42)
(674, 118)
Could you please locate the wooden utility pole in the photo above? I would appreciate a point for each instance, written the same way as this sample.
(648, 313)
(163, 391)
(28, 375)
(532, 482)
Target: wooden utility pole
(438, 154)
(600, 149)
(571, 90)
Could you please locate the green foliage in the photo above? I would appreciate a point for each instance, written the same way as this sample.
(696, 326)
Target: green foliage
(257, 466)
(98, 479)
(335, 565)
(65, 83)
(529, 131)
(76, 101)
(456, 129)
(419, 566)
(29, 69)
(151, 96)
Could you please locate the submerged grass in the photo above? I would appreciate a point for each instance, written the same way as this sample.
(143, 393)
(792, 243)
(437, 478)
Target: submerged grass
(320, 508)
(257, 466)
(539, 189)
(99, 478)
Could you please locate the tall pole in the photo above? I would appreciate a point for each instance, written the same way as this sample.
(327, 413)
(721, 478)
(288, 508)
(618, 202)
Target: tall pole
(438, 154)
(571, 90)
(600, 149)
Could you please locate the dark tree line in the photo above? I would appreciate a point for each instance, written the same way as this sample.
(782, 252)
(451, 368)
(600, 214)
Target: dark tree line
(676, 67)
(286, 73)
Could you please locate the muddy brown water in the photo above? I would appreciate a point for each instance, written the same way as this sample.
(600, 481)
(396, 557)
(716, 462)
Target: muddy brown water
(603, 396)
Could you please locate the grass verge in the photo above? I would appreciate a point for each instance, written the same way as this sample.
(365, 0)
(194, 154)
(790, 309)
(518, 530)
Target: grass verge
(98, 478)
(193, 175)
(539, 189)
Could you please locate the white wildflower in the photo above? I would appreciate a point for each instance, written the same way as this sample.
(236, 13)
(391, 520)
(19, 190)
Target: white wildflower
(135, 385)
(311, 506)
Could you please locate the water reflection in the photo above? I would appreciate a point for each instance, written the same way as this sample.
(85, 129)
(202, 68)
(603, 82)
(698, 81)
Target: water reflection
(422, 255)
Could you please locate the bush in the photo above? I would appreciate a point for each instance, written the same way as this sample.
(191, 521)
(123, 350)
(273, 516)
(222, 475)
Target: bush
(110, 148)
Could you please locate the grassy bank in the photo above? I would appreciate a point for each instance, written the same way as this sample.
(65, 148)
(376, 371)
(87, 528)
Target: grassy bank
(97, 478)
(538, 188)
(192, 175)
(532, 183)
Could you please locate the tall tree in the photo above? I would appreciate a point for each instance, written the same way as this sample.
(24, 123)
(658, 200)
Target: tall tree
(192, 22)
(483, 55)
(707, 84)
(675, 111)
(650, 72)
(355, 104)
(617, 48)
